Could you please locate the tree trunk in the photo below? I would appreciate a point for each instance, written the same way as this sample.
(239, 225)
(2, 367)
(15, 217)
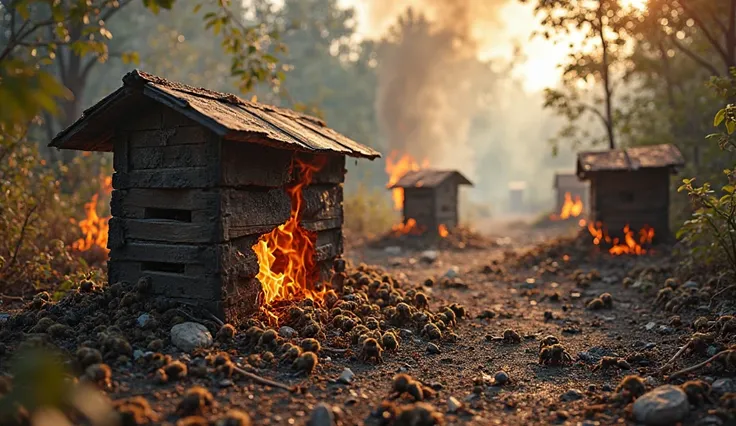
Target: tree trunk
(606, 74)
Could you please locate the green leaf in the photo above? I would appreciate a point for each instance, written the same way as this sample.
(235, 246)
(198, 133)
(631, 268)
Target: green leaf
(730, 126)
(720, 116)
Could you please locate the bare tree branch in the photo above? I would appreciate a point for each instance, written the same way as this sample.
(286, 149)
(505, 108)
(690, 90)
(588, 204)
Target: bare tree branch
(704, 28)
(695, 57)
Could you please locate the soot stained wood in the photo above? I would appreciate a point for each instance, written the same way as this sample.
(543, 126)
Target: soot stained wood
(245, 165)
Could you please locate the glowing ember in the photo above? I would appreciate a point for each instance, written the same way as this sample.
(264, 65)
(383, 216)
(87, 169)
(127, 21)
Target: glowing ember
(397, 166)
(630, 243)
(287, 269)
(569, 208)
(442, 230)
(410, 227)
(93, 226)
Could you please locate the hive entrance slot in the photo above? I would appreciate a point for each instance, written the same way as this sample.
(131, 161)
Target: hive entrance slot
(175, 268)
(168, 214)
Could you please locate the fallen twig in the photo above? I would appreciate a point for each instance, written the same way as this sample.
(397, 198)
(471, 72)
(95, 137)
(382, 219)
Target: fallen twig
(335, 350)
(702, 364)
(264, 381)
(674, 358)
(7, 297)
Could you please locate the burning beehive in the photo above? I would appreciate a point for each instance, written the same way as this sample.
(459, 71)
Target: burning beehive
(223, 203)
(629, 189)
(430, 200)
(571, 197)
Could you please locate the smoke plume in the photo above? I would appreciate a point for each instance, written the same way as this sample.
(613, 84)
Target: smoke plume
(430, 81)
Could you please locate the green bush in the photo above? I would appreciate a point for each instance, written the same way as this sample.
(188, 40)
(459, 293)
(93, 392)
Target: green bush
(711, 231)
(35, 226)
(368, 213)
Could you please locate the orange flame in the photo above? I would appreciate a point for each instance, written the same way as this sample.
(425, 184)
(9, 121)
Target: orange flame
(287, 269)
(569, 208)
(442, 230)
(629, 245)
(396, 167)
(409, 227)
(93, 226)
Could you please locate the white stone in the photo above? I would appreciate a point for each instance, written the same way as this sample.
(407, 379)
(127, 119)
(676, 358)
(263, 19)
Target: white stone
(144, 320)
(453, 405)
(453, 272)
(188, 336)
(650, 325)
(429, 256)
(287, 332)
(393, 250)
(665, 405)
(346, 376)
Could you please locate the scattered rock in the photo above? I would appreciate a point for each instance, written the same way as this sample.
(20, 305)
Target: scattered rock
(428, 256)
(287, 332)
(346, 376)
(453, 405)
(321, 416)
(572, 395)
(501, 378)
(650, 325)
(393, 250)
(665, 405)
(433, 349)
(188, 336)
(453, 272)
(690, 284)
(723, 386)
(144, 320)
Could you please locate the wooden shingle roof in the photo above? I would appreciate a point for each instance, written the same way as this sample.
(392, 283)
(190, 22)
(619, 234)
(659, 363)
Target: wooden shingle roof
(429, 178)
(225, 114)
(629, 159)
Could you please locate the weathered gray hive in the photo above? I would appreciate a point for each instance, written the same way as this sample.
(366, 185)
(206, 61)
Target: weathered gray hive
(199, 177)
(570, 183)
(431, 197)
(631, 186)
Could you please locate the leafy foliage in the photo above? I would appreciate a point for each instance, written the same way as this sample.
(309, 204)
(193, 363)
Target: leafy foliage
(711, 231)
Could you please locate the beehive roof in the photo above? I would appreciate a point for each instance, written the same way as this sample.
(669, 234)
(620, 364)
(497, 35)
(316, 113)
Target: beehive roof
(225, 114)
(629, 159)
(429, 178)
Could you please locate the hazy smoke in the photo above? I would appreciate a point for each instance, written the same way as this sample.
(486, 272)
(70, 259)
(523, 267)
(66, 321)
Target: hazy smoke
(430, 80)
(437, 101)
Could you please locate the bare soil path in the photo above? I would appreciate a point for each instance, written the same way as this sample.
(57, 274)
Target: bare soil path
(535, 296)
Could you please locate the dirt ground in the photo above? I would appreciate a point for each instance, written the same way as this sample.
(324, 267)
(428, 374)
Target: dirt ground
(535, 296)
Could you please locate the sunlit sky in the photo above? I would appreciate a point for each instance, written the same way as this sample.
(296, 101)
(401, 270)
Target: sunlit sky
(517, 22)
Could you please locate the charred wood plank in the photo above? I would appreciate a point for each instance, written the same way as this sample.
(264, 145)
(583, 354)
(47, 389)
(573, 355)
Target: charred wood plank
(246, 165)
(197, 155)
(174, 178)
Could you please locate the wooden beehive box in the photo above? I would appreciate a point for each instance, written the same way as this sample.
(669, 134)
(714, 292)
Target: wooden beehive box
(431, 197)
(199, 177)
(570, 183)
(631, 186)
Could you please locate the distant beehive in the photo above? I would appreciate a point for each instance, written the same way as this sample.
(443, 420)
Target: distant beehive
(569, 183)
(431, 197)
(516, 196)
(199, 177)
(631, 186)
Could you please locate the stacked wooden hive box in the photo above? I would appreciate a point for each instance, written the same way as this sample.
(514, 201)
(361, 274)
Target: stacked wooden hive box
(199, 177)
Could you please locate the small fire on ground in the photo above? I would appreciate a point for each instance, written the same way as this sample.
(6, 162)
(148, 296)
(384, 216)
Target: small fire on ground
(411, 227)
(397, 165)
(287, 269)
(631, 243)
(569, 208)
(94, 228)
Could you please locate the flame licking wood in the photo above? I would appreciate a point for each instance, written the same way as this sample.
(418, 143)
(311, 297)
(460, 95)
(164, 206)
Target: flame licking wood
(93, 227)
(569, 208)
(629, 245)
(397, 165)
(442, 230)
(287, 268)
(410, 227)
